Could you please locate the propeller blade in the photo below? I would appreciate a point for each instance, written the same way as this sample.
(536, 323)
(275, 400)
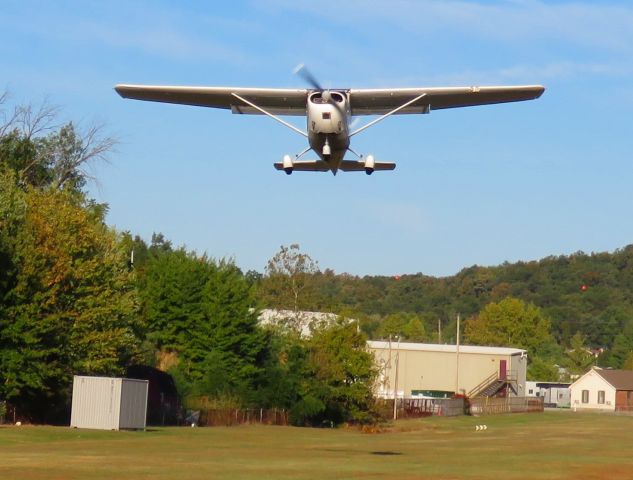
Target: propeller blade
(302, 71)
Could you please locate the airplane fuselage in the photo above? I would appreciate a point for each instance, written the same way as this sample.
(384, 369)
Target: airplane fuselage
(328, 129)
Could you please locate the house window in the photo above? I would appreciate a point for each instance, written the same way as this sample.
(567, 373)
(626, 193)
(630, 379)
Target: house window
(531, 391)
(585, 396)
(601, 396)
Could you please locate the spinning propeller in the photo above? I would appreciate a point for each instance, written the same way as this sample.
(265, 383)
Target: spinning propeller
(326, 95)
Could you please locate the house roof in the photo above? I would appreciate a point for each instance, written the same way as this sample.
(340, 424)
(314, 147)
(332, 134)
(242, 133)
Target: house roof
(433, 347)
(619, 379)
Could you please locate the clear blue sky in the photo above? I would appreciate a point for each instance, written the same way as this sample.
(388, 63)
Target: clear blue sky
(473, 186)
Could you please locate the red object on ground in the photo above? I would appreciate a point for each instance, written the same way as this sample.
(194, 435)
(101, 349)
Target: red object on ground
(397, 277)
(584, 288)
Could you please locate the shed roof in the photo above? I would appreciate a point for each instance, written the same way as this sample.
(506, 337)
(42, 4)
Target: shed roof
(433, 347)
(619, 379)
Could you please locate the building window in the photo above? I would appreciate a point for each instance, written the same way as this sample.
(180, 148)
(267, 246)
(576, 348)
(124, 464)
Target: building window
(531, 391)
(601, 396)
(585, 396)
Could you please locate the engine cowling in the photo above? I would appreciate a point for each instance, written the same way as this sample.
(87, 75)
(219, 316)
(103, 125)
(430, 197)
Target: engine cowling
(288, 164)
(370, 164)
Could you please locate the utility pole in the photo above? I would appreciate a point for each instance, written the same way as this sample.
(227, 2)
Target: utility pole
(390, 366)
(439, 331)
(457, 359)
(395, 383)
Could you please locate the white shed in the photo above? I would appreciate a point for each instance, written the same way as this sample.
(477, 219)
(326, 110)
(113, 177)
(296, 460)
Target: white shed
(109, 403)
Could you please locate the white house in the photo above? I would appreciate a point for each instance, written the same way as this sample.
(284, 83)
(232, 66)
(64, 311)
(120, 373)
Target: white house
(602, 389)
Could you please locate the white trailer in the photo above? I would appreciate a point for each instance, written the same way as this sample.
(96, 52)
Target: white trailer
(109, 403)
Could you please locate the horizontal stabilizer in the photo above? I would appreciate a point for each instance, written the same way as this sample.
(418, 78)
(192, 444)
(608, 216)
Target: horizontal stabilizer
(306, 166)
(359, 166)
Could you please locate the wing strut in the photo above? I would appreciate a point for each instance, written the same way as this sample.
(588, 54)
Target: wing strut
(274, 117)
(388, 114)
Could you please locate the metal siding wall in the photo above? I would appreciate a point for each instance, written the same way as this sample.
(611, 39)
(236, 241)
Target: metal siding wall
(423, 370)
(518, 367)
(96, 402)
(133, 404)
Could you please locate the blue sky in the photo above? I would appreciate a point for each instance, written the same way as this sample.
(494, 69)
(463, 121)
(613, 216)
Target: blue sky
(477, 185)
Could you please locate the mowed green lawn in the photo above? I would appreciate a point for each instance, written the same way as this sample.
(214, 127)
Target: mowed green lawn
(554, 445)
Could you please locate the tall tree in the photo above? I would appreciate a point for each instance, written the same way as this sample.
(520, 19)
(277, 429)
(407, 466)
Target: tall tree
(512, 323)
(70, 307)
(200, 312)
(338, 379)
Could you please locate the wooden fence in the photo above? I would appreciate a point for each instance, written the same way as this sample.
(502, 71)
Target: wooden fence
(494, 406)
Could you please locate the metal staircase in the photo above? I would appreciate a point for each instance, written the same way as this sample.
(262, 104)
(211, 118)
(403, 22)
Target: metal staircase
(494, 386)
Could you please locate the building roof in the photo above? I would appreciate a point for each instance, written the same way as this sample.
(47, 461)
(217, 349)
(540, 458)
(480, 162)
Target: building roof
(619, 379)
(301, 321)
(433, 347)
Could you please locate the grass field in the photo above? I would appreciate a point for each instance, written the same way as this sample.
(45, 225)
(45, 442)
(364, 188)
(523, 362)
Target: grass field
(553, 445)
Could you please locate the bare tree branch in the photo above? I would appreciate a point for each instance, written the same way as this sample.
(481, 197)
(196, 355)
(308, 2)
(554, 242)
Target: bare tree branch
(62, 153)
(34, 121)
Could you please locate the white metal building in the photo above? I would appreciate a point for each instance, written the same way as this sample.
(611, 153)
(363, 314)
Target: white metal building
(421, 369)
(109, 403)
(554, 394)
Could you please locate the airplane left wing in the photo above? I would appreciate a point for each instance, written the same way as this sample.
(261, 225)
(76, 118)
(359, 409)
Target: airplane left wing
(278, 101)
(380, 101)
(359, 166)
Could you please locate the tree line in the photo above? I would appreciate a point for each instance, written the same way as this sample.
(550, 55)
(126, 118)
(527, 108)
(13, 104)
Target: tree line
(79, 297)
(580, 307)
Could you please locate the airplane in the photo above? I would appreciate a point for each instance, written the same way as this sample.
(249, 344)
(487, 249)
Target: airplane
(329, 111)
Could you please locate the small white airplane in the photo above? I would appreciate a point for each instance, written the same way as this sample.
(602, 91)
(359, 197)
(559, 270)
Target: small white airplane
(329, 111)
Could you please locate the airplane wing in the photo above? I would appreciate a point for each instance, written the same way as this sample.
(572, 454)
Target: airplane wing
(286, 101)
(384, 100)
(306, 166)
(279, 101)
(359, 166)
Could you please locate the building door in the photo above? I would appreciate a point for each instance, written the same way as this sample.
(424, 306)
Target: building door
(503, 369)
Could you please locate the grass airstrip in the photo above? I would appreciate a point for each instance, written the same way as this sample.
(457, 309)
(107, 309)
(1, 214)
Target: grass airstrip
(552, 445)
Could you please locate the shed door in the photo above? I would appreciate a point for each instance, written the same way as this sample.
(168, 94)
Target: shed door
(503, 369)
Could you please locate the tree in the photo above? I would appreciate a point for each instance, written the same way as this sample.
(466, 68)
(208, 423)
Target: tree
(511, 323)
(542, 371)
(70, 306)
(42, 154)
(406, 326)
(200, 312)
(288, 282)
(578, 358)
(339, 374)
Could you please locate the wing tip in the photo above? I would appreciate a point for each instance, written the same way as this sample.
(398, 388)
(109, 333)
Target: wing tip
(120, 89)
